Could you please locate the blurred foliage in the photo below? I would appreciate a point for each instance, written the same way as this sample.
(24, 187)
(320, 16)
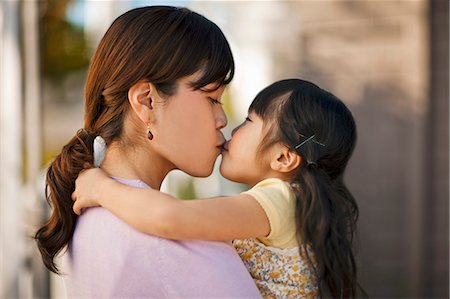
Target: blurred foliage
(63, 46)
(228, 105)
(187, 189)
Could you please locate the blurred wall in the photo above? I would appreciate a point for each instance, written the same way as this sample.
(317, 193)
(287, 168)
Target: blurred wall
(436, 195)
(11, 212)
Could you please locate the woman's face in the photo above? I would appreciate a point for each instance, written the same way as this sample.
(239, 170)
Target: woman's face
(188, 133)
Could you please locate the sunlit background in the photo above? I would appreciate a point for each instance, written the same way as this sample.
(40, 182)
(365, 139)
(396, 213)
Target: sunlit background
(387, 60)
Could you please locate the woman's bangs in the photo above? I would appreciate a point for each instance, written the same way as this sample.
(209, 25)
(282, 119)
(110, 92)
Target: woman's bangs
(218, 64)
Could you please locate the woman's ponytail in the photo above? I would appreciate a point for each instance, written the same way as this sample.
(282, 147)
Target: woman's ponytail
(56, 233)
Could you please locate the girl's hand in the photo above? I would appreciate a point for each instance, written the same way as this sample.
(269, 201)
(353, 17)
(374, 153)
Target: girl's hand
(88, 189)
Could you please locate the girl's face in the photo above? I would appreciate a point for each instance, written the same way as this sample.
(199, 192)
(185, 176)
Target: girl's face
(241, 161)
(188, 133)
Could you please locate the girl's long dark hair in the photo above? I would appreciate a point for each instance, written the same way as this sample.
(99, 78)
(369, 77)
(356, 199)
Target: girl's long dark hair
(160, 44)
(326, 212)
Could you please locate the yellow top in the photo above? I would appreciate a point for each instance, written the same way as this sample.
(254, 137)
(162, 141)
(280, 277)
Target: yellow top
(278, 201)
(279, 267)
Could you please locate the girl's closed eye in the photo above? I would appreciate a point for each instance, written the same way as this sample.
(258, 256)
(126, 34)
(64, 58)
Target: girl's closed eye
(248, 119)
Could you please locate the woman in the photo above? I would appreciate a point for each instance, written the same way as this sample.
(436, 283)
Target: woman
(156, 77)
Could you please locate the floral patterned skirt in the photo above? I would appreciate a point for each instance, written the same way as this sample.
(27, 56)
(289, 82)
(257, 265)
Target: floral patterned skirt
(279, 273)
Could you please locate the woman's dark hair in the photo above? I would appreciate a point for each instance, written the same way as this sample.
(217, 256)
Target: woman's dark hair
(160, 44)
(326, 212)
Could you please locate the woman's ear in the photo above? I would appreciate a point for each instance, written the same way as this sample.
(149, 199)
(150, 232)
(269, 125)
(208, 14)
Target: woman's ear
(284, 160)
(142, 100)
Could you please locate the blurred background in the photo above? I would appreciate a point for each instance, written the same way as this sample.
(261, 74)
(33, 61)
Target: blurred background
(387, 60)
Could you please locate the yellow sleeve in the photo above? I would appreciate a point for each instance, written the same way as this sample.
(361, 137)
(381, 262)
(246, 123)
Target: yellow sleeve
(278, 201)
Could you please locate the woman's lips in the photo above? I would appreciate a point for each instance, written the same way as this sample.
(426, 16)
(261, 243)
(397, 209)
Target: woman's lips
(221, 147)
(225, 146)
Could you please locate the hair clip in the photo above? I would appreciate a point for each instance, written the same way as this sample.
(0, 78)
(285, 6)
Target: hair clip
(311, 138)
(99, 150)
(309, 163)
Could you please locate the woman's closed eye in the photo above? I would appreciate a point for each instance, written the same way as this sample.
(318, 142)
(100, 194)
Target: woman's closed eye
(214, 101)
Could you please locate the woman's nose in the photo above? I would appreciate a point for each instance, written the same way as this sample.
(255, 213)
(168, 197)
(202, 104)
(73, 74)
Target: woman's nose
(221, 118)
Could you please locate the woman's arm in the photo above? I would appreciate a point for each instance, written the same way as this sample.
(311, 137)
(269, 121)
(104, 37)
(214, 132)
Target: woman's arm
(157, 213)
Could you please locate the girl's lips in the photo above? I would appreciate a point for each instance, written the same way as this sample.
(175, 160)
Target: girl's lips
(221, 147)
(225, 146)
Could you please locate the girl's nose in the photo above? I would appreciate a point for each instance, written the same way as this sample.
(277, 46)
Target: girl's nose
(235, 130)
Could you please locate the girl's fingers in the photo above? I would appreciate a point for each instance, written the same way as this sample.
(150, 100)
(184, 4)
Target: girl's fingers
(76, 209)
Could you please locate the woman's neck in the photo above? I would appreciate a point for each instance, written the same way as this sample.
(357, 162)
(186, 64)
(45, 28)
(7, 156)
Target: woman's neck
(136, 164)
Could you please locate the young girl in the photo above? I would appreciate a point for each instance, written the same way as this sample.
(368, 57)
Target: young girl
(294, 228)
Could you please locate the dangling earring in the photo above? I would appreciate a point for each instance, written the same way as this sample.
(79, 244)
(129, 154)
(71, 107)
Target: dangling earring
(149, 133)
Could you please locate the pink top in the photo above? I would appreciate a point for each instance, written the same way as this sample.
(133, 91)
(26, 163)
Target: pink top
(108, 258)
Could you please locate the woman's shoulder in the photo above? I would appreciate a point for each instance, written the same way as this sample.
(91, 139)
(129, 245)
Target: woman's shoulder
(100, 224)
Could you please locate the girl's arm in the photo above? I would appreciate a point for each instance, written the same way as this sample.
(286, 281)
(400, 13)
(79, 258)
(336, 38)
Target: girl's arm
(157, 213)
